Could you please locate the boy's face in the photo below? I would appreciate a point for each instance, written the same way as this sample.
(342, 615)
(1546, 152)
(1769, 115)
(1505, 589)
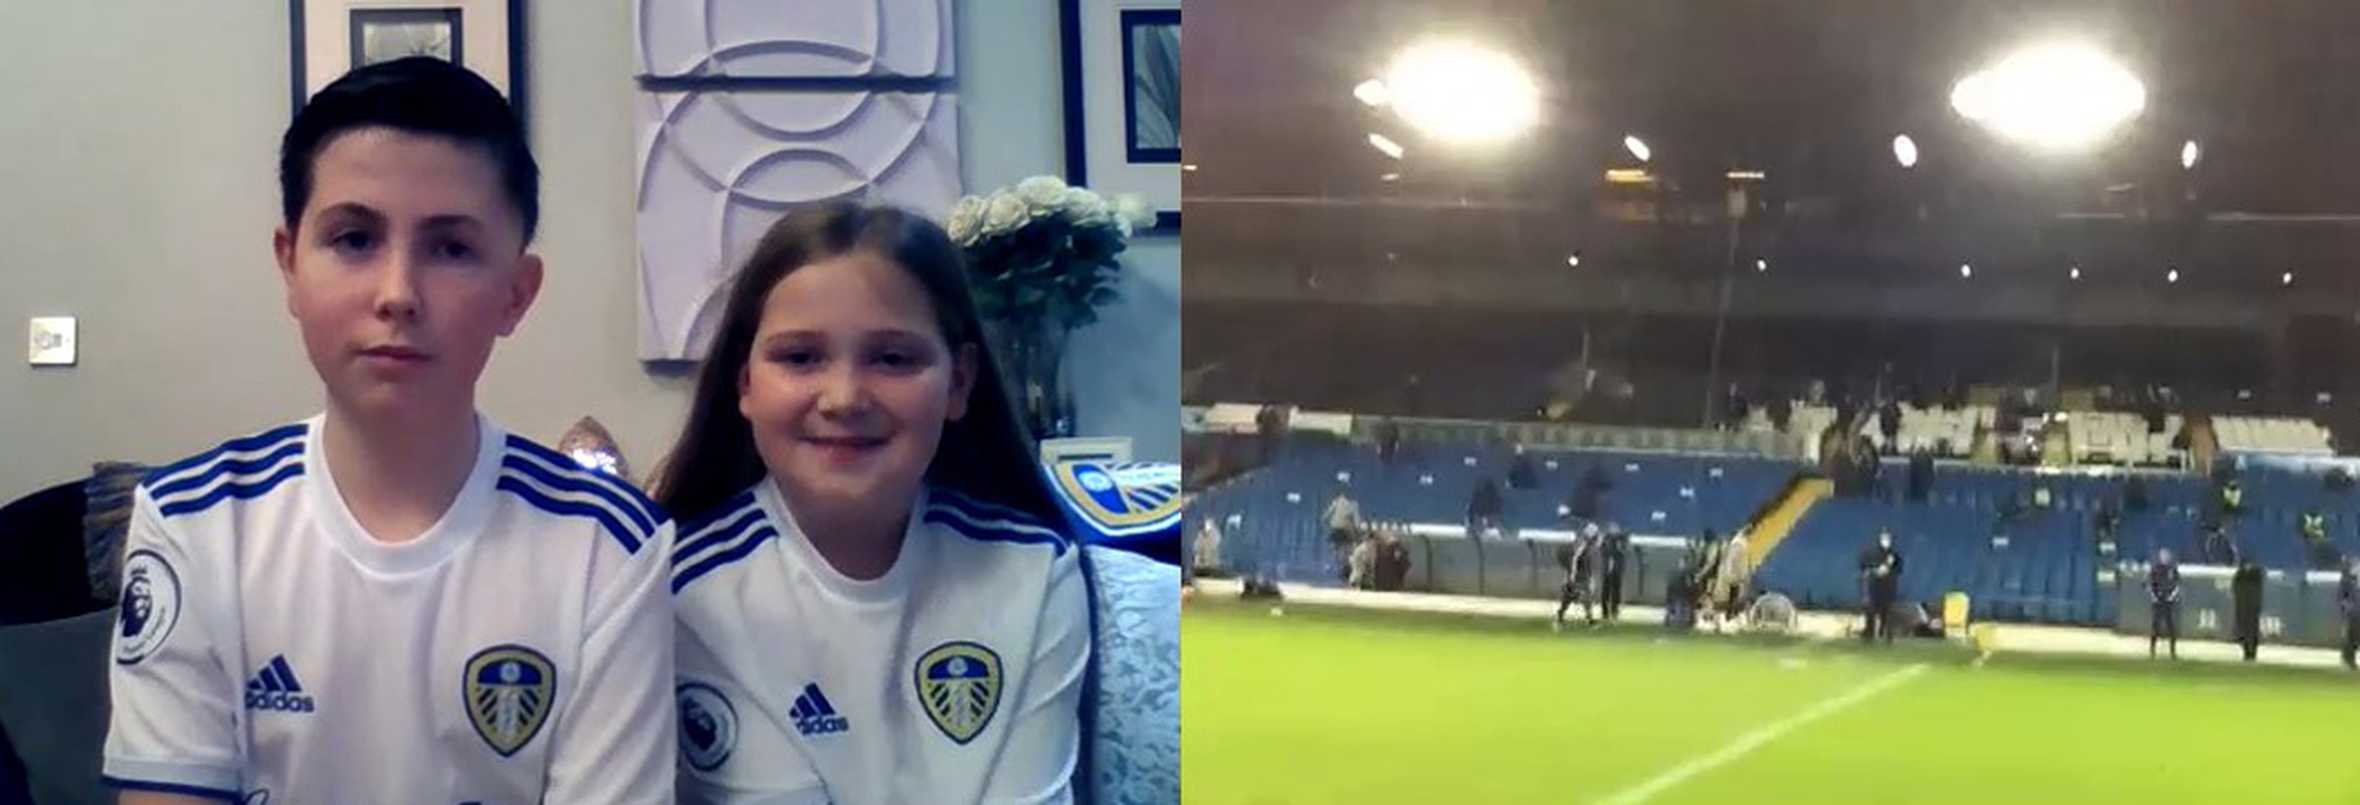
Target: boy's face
(407, 263)
(849, 385)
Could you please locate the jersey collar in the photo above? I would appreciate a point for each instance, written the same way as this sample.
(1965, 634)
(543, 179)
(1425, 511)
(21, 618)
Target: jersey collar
(459, 524)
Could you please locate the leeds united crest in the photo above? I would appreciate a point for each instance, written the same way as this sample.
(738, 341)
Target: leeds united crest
(508, 691)
(1122, 500)
(959, 687)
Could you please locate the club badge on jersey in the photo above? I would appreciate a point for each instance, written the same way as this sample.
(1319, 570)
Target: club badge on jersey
(1133, 506)
(508, 693)
(708, 726)
(150, 606)
(959, 684)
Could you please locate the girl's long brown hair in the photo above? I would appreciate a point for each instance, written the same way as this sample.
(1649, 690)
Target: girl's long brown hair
(984, 454)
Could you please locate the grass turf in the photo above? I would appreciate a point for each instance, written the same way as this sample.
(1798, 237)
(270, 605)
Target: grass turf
(1332, 705)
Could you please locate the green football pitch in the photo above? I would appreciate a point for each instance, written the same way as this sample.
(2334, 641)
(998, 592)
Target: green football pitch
(1327, 705)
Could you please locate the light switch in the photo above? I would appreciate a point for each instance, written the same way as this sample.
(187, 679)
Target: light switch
(52, 342)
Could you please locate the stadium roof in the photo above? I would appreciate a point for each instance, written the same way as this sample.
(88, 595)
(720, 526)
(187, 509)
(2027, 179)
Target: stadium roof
(1809, 94)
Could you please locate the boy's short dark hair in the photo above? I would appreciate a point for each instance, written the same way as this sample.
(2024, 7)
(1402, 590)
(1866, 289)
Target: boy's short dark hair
(420, 95)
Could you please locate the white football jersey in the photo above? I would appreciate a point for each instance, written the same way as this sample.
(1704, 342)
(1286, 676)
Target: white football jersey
(956, 677)
(518, 651)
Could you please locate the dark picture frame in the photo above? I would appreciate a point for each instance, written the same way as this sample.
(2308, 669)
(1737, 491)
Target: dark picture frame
(357, 28)
(470, 21)
(1142, 72)
(1075, 81)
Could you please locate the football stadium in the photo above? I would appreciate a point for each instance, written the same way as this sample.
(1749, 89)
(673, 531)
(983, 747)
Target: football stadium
(1829, 402)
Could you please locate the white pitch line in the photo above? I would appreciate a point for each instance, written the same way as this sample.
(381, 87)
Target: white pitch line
(1755, 739)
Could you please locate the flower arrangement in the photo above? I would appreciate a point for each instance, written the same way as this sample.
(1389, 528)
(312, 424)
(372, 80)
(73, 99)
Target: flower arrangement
(1044, 251)
(1041, 256)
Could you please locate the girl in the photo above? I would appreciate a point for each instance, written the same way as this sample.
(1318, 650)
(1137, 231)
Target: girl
(873, 607)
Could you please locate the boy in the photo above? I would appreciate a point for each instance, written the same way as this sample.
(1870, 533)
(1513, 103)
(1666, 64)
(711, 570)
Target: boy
(395, 600)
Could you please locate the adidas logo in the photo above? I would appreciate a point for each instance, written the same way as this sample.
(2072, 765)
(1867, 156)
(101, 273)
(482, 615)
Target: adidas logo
(815, 716)
(274, 688)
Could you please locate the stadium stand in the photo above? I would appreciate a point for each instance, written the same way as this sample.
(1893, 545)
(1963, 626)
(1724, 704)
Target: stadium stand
(2271, 435)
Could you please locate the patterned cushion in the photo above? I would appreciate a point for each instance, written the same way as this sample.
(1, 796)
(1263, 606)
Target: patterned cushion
(1135, 740)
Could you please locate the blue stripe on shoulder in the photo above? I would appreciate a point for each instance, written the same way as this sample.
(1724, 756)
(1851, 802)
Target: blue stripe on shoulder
(569, 481)
(743, 548)
(968, 527)
(623, 534)
(242, 444)
(710, 534)
(982, 509)
(725, 510)
(158, 786)
(997, 518)
(648, 510)
(188, 481)
(232, 491)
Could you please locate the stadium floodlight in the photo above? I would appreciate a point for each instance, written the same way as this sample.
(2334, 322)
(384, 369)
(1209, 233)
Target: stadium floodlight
(2286, 278)
(1905, 150)
(1965, 270)
(1573, 260)
(2052, 97)
(1385, 144)
(2074, 274)
(1761, 264)
(2189, 153)
(2172, 275)
(1637, 147)
(1462, 93)
(1372, 92)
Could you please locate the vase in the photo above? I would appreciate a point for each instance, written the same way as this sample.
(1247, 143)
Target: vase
(1033, 368)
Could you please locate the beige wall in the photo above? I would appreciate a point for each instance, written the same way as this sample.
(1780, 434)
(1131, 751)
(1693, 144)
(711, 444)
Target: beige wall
(137, 155)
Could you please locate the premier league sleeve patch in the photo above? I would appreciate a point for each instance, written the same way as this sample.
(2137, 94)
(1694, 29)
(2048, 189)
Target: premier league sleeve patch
(708, 726)
(508, 693)
(150, 606)
(959, 686)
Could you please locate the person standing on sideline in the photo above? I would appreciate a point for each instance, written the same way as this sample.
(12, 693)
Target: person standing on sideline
(1610, 563)
(1485, 508)
(2163, 594)
(1362, 575)
(1880, 583)
(2347, 598)
(1575, 556)
(1736, 567)
(1343, 522)
(1208, 547)
(2246, 590)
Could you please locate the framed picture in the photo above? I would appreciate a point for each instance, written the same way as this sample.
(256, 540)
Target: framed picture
(385, 34)
(1151, 86)
(331, 37)
(1122, 100)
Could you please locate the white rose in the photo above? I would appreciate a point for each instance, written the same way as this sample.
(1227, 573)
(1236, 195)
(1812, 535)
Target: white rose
(966, 217)
(1134, 210)
(1084, 206)
(1004, 213)
(1041, 194)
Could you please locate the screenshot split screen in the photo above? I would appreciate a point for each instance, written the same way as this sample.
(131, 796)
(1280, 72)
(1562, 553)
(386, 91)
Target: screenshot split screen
(825, 402)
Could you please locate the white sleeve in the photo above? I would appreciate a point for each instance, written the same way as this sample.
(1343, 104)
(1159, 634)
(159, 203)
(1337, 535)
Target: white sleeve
(174, 727)
(1036, 765)
(614, 742)
(732, 749)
